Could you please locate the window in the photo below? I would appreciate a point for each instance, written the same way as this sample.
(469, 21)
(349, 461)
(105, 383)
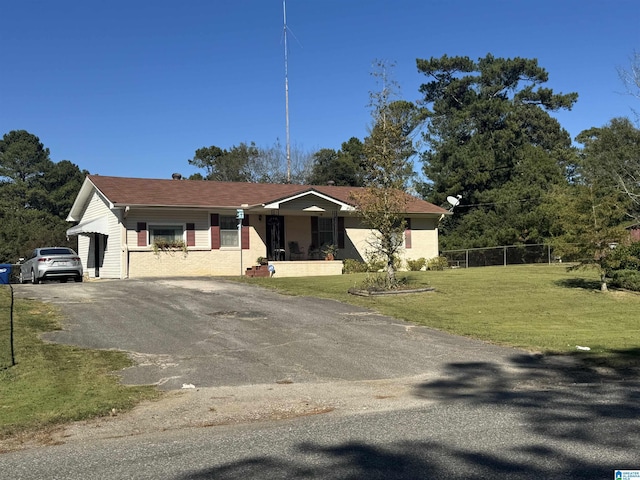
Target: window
(228, 231)
(325, 231)
(56, 251)
(166, 233)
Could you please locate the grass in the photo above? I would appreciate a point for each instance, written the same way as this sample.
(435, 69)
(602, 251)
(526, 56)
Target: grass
(52, 384)
(541, 308)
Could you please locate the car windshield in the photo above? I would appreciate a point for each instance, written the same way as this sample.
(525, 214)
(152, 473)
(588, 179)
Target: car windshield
(56, 251)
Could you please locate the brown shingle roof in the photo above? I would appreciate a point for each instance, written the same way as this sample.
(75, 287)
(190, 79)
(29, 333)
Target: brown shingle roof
(209, 194)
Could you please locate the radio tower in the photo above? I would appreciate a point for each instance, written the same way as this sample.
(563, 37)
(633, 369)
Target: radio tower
(286, 90)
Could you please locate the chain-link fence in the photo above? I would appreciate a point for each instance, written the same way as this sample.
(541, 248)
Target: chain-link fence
(505, 255)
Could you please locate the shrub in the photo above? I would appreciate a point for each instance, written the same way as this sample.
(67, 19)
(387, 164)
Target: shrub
(351, 265)
(375, 282)
(416, 265)
(379, 282)
(629, 279)
(437, 263)
(623, 257)
(375, 264)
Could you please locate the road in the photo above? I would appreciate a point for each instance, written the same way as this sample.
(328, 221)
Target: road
(289, 387)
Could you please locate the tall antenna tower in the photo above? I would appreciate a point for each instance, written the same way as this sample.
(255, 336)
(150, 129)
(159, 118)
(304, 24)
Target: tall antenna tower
(286, 90)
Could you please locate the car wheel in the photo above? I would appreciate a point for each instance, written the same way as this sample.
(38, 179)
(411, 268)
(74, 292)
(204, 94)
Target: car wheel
(35, 280)
(78, 279)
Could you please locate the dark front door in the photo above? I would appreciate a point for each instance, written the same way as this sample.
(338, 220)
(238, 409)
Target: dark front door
(275, 237)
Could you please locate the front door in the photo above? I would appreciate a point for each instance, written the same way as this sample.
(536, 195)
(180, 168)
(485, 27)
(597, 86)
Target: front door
(275, 237)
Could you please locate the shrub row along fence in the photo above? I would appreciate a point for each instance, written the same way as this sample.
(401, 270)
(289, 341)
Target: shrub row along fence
(7, 358)
(505, 255)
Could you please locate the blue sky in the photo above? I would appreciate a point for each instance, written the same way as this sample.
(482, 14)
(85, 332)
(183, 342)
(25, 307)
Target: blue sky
(133, 88)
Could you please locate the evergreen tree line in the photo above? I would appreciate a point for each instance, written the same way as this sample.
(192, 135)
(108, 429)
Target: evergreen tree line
(483, 129)
(36, 196)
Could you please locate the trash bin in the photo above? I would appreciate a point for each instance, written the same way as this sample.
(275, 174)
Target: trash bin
(5, 273)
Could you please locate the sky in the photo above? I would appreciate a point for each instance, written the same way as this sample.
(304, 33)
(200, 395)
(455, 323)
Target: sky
(132, 88)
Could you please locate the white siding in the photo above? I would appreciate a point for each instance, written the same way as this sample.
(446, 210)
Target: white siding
(110, 267)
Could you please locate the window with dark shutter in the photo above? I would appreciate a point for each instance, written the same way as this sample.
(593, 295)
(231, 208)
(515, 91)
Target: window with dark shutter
(141, 228)
(407, 233)
(215, 231)
(245, 233)
(191, 235)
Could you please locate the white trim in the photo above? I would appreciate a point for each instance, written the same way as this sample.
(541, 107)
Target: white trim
(87, 189)
(344, 207)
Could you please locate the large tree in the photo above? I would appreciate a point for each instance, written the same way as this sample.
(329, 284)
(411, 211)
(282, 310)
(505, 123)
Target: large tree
(270, 165)
(249, 163)
(612, 153)
(36, 195)
(492, 140)
(343, 167)
(231, 165)
(591, 213)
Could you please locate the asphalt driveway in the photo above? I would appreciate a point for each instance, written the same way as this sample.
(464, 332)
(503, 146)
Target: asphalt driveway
(209, 332)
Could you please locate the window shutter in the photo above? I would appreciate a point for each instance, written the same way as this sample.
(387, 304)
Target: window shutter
(407, 233)
(315, 239)
(215, 231)
(191, 235)
(341, 232)
(244, 233)
(141, 228)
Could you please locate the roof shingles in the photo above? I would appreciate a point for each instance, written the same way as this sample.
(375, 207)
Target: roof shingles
(210, 194)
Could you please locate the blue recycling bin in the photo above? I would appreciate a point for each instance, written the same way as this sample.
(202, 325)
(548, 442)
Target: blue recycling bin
(5, 273)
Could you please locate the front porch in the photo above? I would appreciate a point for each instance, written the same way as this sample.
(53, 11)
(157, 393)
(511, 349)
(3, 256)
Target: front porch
(146, 263)
(307, 268)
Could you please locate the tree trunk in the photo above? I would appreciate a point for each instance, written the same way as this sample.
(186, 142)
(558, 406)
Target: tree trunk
(391, 275)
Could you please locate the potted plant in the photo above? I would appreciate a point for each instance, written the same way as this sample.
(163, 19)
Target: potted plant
(329, 251)
(262, 260)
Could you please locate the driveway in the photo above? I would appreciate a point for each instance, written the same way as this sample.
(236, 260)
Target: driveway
(211, 333)
(355, 394)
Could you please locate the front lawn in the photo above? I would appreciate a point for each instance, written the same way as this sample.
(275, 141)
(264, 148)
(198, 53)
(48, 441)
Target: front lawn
(52, 384)
(541, 308)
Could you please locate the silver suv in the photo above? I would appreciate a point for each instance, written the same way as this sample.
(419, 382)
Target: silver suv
(51, 262)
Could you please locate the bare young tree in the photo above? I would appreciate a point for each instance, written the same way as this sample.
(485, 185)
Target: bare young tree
(630, 77)
(270, 165)
(387, 151)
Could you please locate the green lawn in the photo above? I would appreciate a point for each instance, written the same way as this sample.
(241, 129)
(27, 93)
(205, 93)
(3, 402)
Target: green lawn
(541, 308)
(53, 384)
